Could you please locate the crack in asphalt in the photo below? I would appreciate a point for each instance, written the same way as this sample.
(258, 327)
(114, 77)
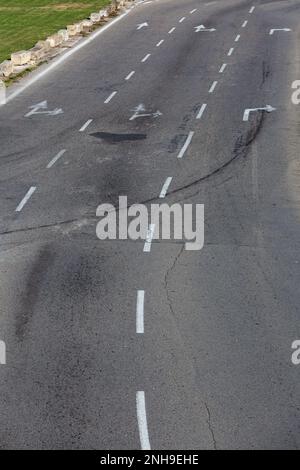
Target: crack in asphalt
(210, 426)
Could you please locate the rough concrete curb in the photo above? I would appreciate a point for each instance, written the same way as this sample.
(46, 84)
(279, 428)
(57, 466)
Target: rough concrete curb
(45, 50)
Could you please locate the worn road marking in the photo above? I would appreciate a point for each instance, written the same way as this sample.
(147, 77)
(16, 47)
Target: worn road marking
(57, 157)
(222, 68)
(230, 51)
(130, 75)
(26, 198)
(140, 311)
(165, 187)
(268, 108)
(201, 111)
(186, 145)
(83, 128)
(213, 86)
(142, 420)
(149, 238)
(110, 97)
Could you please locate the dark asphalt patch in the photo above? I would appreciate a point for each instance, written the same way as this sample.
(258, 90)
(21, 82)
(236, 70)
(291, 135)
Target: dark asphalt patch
(117, 138)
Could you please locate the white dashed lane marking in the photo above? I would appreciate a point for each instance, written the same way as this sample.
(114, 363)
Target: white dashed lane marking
(186, 145)
(26, 198)
(83, 128)
(165, 187)
(201, 111)
(56, 158)
(142, 420)
(146, 58)
(110, 97)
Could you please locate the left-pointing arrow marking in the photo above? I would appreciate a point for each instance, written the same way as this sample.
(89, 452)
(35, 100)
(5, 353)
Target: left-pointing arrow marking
(247, 112)
(41, 108)
(201, 27)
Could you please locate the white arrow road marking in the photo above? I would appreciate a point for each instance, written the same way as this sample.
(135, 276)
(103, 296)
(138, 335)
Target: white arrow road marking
(247, 112)
(149, 238)
(43, 105)
(202, 28)
(142, 25)
(142, 420)
(140, 111)
(26, 198)
(186, 145)
(140, 300)
(2, 353)
(165, 187)
(279, 29)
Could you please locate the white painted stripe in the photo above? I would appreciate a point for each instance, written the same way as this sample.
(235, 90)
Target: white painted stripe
(130, 75)
(165, 187)
(149, 238)
(222, 68)
(213, 86)
(65, 56)
(2, 353)
(140, 311)
(171, 30)
(201, 111)
(146, 57)
(142, 420)
(237, 38)
(110, 97)
(230, 51)
(245, 24)
(57, 157)
(193, 11)
(251, 9)
(83, 128)
(160, 43)
(26, 198)
(186, 145)
(182, 19)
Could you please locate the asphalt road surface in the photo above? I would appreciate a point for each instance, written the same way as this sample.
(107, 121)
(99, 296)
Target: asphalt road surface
(212, 366)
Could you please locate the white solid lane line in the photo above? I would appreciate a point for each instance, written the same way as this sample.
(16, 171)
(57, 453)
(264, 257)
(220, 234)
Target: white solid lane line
(149, 238)
(171, 30)
(160, 43)
(140, 311)
(222, 68)
(83, 128)
(230, 51)
(213, 86)
(251, 9)
(130, 75)
(201, 111)
(142, 420)
(146, 58)
(237, 38)
(182, 19)
(110, 97)
(245, 24)
(57, 157)
(165, 187)
(186, 145)
(26, 198)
